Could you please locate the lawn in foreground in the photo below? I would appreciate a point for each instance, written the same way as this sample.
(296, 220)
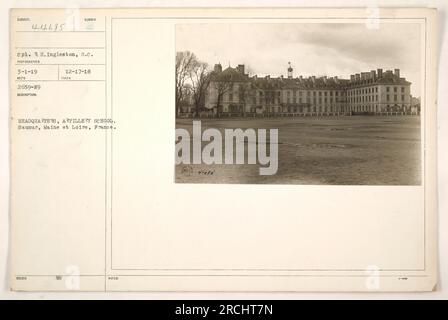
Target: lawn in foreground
(357, 150)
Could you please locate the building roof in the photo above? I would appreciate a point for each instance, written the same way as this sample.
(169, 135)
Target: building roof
(229, 74)
(326, 83)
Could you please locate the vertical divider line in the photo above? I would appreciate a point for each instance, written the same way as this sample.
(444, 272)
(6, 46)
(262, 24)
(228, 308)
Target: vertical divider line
(111, 140)
(105, 156)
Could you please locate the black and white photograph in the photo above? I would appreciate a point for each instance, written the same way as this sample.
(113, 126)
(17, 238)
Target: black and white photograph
(299, 103)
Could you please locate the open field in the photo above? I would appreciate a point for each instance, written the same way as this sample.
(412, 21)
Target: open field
(357, 150)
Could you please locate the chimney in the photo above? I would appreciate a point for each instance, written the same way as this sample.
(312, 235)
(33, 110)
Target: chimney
(397, 73)
(372, 74)
(240, 68)
(218, 68)
(358, 77)
(380, 73)
(352, 78)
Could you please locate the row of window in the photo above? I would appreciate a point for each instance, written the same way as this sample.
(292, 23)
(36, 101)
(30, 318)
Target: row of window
(324, 100)
(314, 100)
(319, 93)
(352, 96)
(373, 98)
(370, 90)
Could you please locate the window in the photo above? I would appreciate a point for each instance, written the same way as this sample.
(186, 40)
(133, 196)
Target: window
(395, 97)
(387, 89)
(387, 97)
(395, 89)
(402, 97)
(230, 97)
(402, 89)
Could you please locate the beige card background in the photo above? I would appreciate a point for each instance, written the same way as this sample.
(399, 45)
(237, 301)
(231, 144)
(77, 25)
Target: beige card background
(114, 213)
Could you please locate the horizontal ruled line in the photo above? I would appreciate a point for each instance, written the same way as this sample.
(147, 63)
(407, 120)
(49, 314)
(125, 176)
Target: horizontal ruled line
(267, 275)
(60, 47)
(52, 31)
(18, 80)
(60, 64)
(59, 275)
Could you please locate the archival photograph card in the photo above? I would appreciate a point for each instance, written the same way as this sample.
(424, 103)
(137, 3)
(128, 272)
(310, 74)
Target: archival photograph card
(221, 150)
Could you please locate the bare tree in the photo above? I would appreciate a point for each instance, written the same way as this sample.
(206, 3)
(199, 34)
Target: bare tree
(187, 98)
(184, 63)
(222, 85)
(200, 79)
(243, 92)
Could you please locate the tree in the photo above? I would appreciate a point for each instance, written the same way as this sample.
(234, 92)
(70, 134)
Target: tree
(222, 84)
(184, 63)
(200, 80)
(187, 98)
(243, 92)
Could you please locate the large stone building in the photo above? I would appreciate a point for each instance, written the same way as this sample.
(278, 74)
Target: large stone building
(233, 92)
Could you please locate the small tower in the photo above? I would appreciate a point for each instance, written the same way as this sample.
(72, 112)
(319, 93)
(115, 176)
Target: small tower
(290, 71)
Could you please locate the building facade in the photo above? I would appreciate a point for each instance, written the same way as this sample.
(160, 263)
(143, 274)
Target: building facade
(233, 92)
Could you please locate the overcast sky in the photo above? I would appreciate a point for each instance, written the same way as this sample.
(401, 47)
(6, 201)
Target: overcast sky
(313, 49)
